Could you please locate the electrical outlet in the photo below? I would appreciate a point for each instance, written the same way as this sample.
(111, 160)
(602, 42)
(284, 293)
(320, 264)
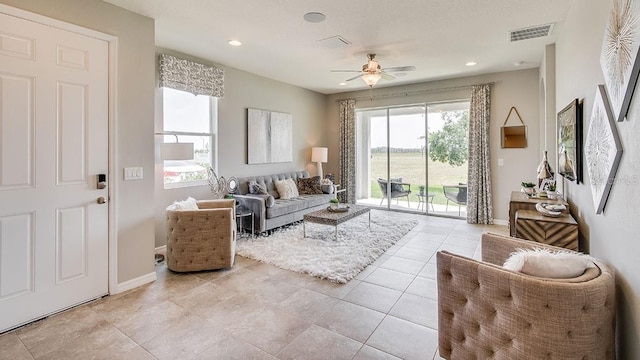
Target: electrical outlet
(500, 162)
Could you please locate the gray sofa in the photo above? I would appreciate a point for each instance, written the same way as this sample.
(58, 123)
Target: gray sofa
(282, 211)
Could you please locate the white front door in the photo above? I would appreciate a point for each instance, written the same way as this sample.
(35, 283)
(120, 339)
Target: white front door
(53, 144)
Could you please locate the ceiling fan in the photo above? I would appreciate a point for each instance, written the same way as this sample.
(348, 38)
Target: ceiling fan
(372, 72)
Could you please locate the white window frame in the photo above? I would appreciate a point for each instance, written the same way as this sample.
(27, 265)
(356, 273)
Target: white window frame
(213, 135)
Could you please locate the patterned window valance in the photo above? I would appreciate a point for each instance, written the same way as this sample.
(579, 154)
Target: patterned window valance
(189, 76)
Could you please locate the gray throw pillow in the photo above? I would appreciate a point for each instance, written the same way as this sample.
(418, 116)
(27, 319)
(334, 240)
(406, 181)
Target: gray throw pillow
(255, 188)
(396, 187)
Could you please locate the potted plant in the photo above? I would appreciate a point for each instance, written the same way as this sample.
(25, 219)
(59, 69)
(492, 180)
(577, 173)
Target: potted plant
(528, 188)
(333, 203)
(551, 190)
(420, 189)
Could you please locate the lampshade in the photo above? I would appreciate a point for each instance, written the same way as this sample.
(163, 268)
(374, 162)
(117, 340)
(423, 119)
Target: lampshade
(319, 154)
(177, 151)
(371, 79)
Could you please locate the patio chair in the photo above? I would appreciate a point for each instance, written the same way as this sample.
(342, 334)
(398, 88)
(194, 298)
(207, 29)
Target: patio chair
(397, 189)
(457, 194)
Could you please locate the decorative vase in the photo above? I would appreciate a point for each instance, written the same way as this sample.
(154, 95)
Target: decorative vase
(333, 205)
(552, 195)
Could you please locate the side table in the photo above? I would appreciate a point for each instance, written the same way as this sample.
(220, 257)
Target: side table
(422, 198)
(559, 231)
(240, 215)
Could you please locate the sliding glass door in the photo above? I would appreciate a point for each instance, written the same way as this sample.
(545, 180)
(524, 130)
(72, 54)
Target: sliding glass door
(413, 158)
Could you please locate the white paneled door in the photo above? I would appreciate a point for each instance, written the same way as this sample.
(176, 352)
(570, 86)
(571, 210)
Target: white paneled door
(53, 146)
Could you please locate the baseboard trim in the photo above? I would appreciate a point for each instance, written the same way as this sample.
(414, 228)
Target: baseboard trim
(134, 283)
(162, 248)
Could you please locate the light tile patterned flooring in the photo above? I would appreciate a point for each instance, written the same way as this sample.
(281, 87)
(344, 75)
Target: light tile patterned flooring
(258, 311)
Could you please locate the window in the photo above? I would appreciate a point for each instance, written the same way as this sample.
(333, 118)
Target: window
(189, 118)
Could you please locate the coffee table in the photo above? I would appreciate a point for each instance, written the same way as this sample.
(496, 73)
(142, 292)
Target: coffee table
(326, 217)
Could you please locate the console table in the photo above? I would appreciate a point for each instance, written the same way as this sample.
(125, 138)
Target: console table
(521, 201)
(559, 231)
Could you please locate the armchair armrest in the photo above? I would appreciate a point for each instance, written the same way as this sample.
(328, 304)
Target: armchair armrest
(496, 249)
(216, 204)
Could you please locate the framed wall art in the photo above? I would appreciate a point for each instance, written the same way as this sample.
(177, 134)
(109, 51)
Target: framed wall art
(569, 124)
(269, 137)
(603, 150)
(619, 55)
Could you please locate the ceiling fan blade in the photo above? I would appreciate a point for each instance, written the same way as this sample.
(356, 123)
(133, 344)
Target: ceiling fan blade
(353, 78)
(387, 76)
(400, 69)
(346, 71)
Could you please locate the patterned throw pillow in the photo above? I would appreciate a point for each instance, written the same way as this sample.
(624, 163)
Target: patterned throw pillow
(286, 188)
(255, 188)
(309, 186)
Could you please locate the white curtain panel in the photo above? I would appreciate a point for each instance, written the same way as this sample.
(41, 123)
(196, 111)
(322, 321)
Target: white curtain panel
(348, 150)
(479, 204)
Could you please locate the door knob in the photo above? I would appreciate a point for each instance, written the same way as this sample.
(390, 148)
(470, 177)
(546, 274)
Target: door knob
(101, 200)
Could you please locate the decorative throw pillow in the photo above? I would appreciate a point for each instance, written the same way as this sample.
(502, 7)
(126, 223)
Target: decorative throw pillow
(255, 188)
(189, 204)
(293, 187)
(286, 188)
(309, 186)
(548, 263)
(396, 187)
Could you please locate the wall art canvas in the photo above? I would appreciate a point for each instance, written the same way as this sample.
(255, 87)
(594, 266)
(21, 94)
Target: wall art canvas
(603, 150)
(619, 55)
(570, 141)
(269, 137)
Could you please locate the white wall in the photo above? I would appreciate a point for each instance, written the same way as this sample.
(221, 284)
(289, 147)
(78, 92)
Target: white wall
(244, 90)
(613, 235)
(134, 127)
(513, 88)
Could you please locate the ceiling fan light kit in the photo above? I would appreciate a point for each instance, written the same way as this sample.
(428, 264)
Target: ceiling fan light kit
(372, 72)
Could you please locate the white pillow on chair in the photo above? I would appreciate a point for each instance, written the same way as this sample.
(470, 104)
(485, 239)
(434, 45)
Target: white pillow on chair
(548, 263)
(189, 204)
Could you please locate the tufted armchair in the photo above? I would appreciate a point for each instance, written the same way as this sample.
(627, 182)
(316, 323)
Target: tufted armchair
(202, 239)
(487, 312)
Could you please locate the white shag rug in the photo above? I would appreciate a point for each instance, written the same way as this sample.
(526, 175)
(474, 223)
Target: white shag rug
(319, 254)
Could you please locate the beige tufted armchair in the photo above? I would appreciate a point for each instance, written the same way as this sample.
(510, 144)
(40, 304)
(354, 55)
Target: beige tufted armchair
(487, 312)
(202, 239)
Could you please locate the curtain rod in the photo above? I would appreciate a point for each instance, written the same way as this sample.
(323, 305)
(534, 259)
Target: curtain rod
(415, 92)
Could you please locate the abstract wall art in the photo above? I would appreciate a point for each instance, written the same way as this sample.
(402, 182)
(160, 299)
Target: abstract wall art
(603, 150)
(619, 55)
(269, 137)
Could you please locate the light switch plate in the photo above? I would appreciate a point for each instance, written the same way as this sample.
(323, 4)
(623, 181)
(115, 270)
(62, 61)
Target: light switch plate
(500, 162)
(133, 173)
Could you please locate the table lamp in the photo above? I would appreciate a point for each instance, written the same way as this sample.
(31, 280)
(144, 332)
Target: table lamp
(319, 155)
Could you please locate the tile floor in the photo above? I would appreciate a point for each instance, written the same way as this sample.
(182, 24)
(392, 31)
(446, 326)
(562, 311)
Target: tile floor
(258, 311)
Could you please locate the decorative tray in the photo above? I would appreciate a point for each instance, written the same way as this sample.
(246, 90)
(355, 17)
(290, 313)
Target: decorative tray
(551, 210)
(341, 208)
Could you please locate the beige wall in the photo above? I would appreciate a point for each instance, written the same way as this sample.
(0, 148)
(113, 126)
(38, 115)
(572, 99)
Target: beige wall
(513, 88)
(134, 127)
(613, 235)
(244, 90)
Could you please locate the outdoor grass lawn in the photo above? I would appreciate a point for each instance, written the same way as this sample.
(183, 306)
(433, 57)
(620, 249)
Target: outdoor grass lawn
(411, 168)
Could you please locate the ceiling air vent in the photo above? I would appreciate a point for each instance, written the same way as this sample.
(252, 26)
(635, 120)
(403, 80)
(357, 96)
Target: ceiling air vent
(531, 32)
(334, 42)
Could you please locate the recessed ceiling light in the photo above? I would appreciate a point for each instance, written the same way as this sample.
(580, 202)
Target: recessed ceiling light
(343, 83)
(314, 17)
(235, 42)
(471, 63)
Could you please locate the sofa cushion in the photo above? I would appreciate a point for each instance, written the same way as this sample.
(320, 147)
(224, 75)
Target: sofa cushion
(288, 206)
(309, 186)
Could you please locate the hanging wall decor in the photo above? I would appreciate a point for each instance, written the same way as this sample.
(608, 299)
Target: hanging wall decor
(619, 55)
(513, 136)
(269, 137)
(603, 150)
(570, 141)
